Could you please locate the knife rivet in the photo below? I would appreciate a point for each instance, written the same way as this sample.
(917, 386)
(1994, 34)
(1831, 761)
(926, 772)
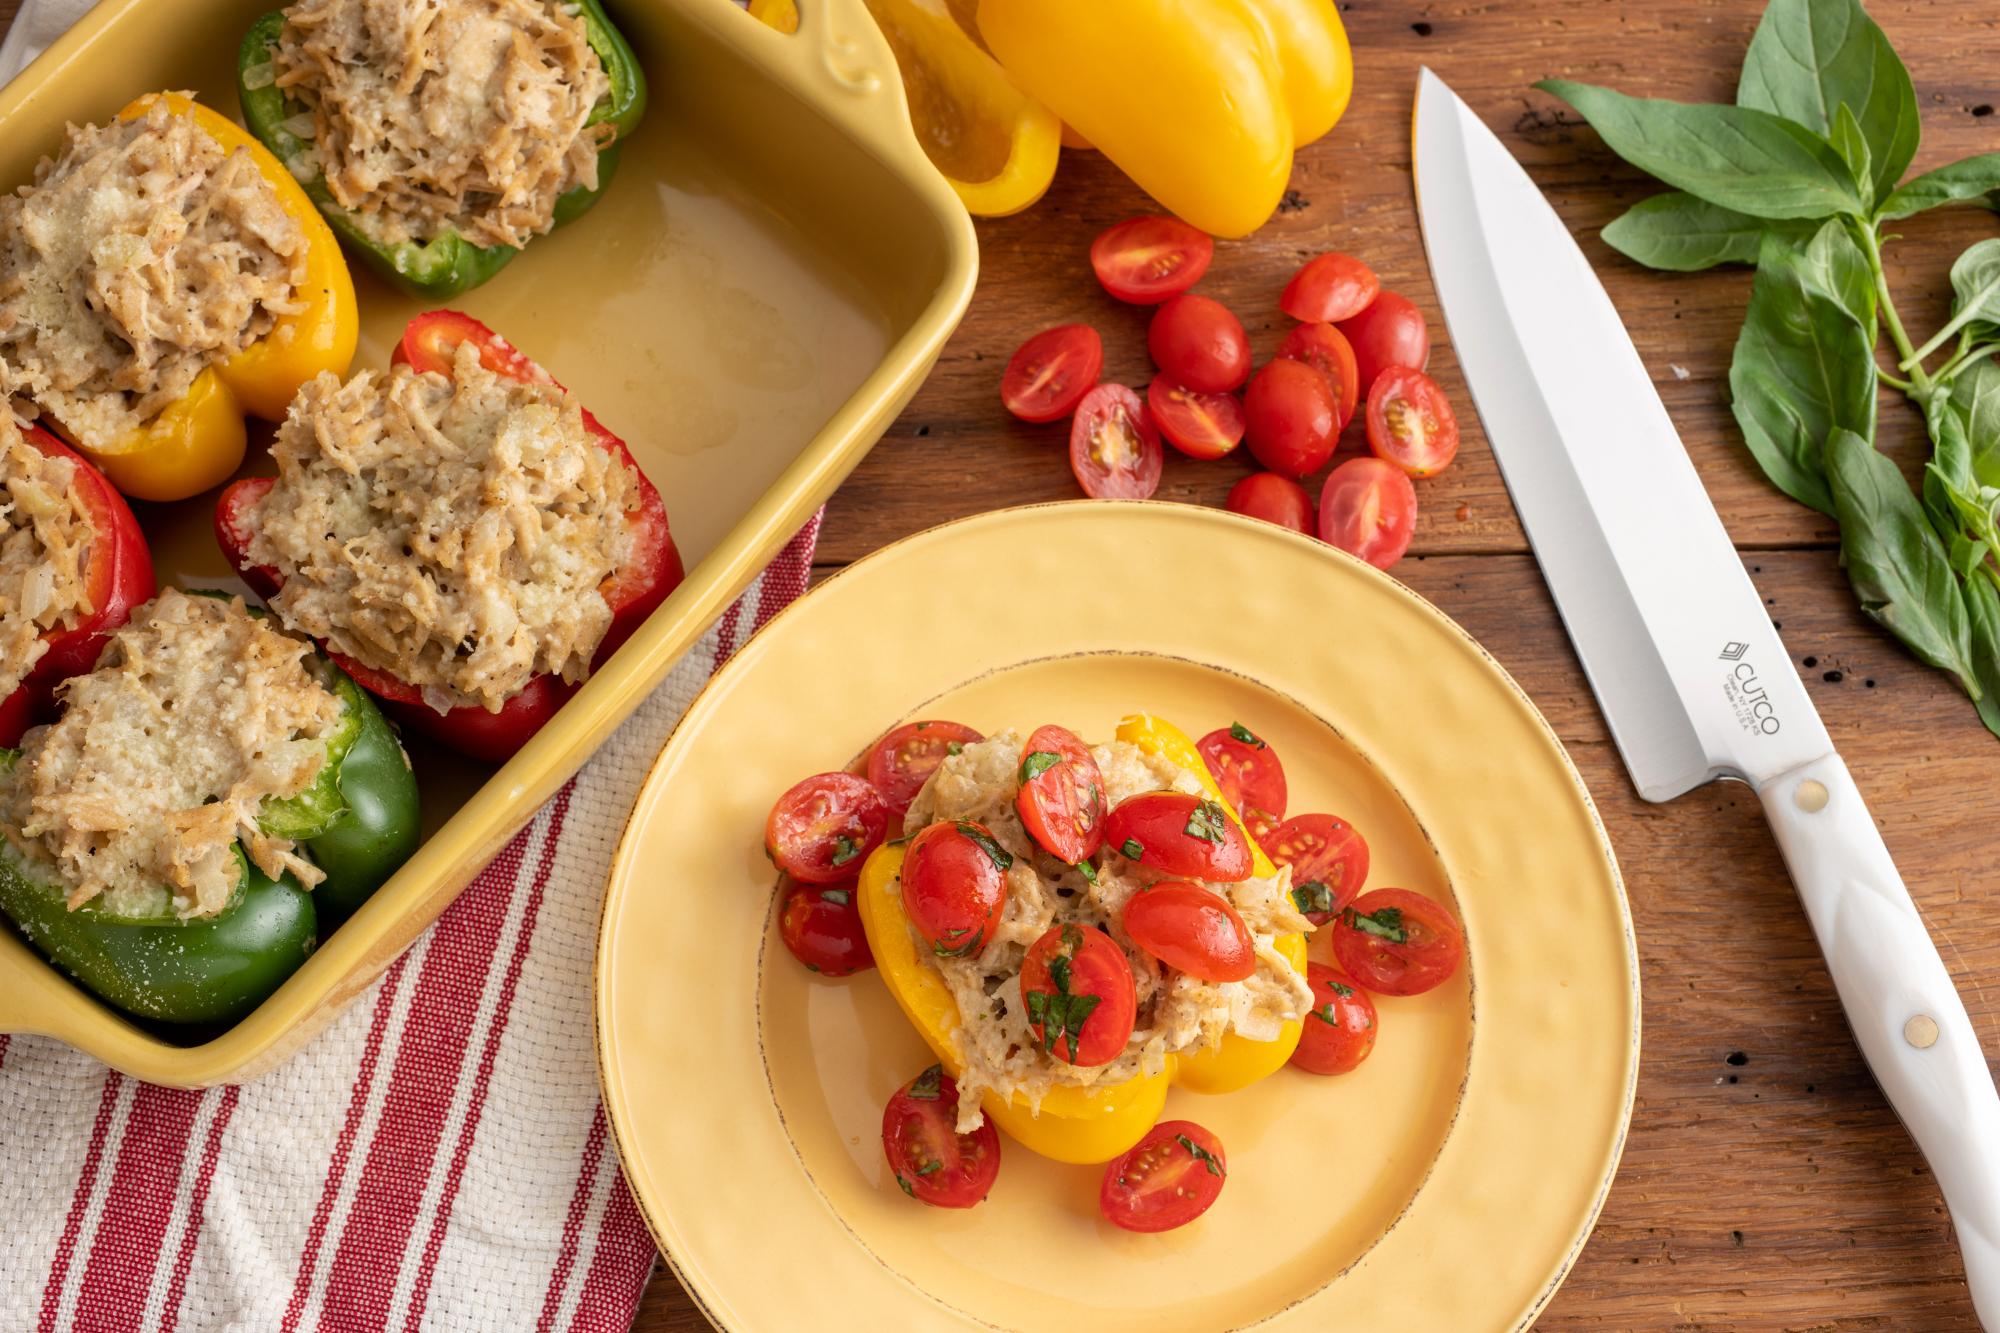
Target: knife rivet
(1811, 796)
(1921, 1032)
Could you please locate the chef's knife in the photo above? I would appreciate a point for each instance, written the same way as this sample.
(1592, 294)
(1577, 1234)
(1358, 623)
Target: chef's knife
(1677, 644)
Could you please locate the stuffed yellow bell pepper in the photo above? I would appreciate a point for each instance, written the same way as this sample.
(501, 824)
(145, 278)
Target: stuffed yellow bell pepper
(1201, 102)
(198, 441)
(1073, 1124)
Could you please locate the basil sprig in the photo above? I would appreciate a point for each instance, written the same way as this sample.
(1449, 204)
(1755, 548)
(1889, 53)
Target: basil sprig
(1800, 178)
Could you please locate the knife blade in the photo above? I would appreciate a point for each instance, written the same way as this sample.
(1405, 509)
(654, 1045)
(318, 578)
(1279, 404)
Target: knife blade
(1673, 636)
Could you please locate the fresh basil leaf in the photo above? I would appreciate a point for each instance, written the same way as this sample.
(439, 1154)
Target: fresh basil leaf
(1313, 896)
(845, 849)
(1038, 763)
(1384, 923)
(1982, 603)
(1834, 263)
(1739, 157)
(927, 1085)
(907, 1189)
(999, 855)
(1207, 822)
(1852, 145)
(1975, 281)
(1243, 734)
(1972, 180)
(1804, 366)
(1811, 57)
(1683, 234)
(930, 1168)
(1132, 849)
(1975, 401)
(954, 747)
(1894, 559)
(1088, 870)
(1326, 1014)
(838, 897)
(1200, 1154)
(1342, 989)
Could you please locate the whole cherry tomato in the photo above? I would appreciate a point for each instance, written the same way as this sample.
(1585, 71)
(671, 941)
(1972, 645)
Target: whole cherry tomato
(1339, 1032)
(1291, 418)
(1199, 343)
(1191, 929)
(1189, 837)
(1390, 332)
(1078, 993)
(1052, 372)
(1329, 862)
(1396, 942)
(821, 925)
(903, 761)
(1061, 800)
(823, 828)
(1274, 499)
(1369, 509)
(1410, 422)
(1329, 287)
(1149, 259)
(955, 887)
(1114, 448)
(1165, 1180)
(931, 1160)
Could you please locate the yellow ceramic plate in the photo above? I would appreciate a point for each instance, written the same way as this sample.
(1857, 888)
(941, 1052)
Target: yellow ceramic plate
(1445, 1185)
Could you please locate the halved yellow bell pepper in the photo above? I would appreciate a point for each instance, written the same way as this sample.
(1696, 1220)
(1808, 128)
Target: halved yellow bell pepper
(1074, 1124)
(198, 441)
(1201, 102)
(997, 148)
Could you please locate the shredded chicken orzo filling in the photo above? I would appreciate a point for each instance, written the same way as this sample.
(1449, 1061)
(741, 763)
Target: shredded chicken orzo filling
(45, 540)
(453, 532)
(1176, 1012)
(142, 255)
(430, 116)
(196, 714)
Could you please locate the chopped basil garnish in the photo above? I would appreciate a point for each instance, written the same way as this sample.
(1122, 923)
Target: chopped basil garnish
(906, 1185)
(838, 897)
(1341, 989)
(1061, 1014)
(1133, 849)
(1087, 870)
(1239, 732)
(930, 1169)
(898, 842)
(1001, 856)
(966, 949)
(845, 849)
(1325, 1014)
(1200, 1154)
(1038, 763)
(1313, 896)
(954, 747)
(1386, 923)
(1207, 823)
(927, 1085)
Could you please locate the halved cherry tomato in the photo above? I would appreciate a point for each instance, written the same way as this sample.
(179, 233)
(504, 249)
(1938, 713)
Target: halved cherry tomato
(1339, 1031)
(1291, 418)
(1191, 929)
(1052, 372)
(1274, 499)
(1200, 343)
(821, 925)
(1200, 425)
(903, 761)
(1396, 942)
(1329, 287)
(1061, 801)
(1166, 1180)
(1190, 837)
(1329, 861)
(1077, 990)
(823, 828)
(955, 887)
(1148, 259)
(1369, 509)
(932, 1161)
(1326, 349)
(1248, 771)
(1114, 448)
(1390, 332)
(1410, 422)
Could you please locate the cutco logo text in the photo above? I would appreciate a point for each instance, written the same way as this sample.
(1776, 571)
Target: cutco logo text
(1746, 694)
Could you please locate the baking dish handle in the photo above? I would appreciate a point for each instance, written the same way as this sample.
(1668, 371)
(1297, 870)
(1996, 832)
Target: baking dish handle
(839, 48)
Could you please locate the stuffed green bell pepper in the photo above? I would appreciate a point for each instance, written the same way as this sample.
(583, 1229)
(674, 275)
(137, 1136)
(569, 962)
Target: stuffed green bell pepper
(440, 140)
(214, 795)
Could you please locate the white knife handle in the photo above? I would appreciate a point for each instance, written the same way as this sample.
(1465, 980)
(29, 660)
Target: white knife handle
(1900, 1001)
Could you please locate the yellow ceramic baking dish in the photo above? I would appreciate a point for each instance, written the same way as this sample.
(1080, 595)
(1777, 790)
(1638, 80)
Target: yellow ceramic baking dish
(758, 295)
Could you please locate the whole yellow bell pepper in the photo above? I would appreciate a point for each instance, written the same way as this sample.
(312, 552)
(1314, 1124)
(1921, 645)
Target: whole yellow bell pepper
(1074, 1124)
(198, 442)
(1201, 102)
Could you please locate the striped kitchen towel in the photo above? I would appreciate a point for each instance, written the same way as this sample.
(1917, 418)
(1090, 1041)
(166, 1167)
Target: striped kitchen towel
(436, 1159)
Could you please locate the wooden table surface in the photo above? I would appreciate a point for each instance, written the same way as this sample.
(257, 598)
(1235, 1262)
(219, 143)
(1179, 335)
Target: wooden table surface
(1766, 1185)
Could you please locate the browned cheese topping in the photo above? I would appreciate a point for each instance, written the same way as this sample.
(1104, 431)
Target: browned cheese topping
(446, 115)
(197, 713)
(45, 536)
(140, 256)
(453, 532)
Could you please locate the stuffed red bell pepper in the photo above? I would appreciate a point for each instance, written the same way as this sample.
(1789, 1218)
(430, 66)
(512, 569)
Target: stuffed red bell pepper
(72, 566)
(465, 539)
